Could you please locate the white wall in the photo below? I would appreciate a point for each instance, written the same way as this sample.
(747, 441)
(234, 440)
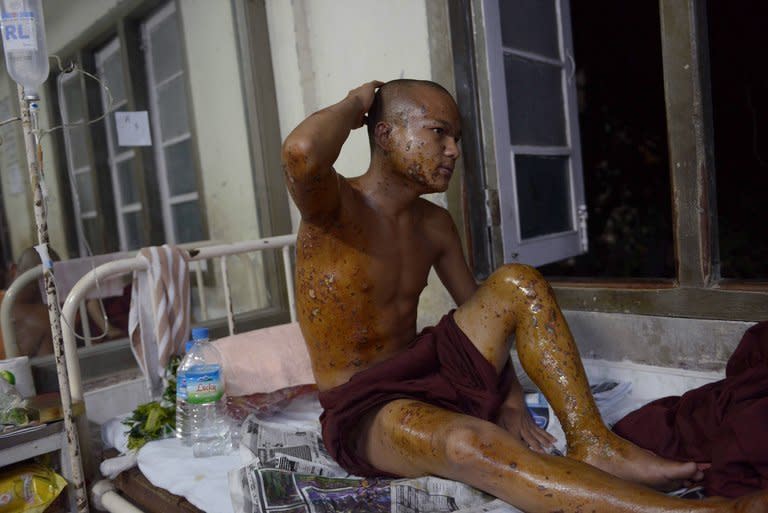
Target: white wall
(66, 20)
(220, 126)
(15, 176)
(219, 119)
(323, 48)
(218, 113)
(217, 116)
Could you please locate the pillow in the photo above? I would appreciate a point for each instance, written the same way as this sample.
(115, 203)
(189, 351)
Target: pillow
(265, 360)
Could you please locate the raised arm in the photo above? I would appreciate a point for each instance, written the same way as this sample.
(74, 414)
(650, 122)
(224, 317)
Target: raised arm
(311, 149)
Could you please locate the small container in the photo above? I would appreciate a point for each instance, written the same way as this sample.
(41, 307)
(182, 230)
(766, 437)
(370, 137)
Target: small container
(26, 54)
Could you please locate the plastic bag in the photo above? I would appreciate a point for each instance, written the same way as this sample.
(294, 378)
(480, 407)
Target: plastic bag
(29, 488)
(12, 406)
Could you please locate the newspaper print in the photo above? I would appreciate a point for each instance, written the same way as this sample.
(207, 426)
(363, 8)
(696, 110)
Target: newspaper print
(431, 493)
(294, 451)
(278, 491)
(293, 473)
(264, 490)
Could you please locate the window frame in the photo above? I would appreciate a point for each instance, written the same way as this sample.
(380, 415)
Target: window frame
(167, 199)
(9, 159)
(697, 291)
(549, 247)
(115, 156)
(126, 28)
(259, 98)
(83, 244)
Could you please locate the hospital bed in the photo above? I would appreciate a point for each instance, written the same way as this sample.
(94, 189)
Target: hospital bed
(299, 401)
(221, 253)
(75, 301)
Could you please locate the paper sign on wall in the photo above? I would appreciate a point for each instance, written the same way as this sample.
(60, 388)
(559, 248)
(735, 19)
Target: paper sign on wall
(133, 128)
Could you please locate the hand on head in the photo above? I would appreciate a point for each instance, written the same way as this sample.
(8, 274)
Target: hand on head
(366, 94)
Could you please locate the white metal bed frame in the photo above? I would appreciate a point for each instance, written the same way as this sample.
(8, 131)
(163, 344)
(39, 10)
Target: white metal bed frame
(127, 265)
(36, 273)
(104, 495)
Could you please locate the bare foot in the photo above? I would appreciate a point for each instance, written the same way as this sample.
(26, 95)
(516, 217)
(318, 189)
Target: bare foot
(623, 459)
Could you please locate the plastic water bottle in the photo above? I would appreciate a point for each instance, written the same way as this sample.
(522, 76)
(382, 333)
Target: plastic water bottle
(26, 55)
(183, 428)
(205, 398)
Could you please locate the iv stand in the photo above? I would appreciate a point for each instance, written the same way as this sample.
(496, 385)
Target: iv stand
(29, 122)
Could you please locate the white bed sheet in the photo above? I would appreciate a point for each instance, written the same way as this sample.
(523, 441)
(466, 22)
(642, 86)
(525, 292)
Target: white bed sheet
(204, 481)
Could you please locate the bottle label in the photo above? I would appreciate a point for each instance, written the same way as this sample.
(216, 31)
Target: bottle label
(204, 384)
(181, 385)
(19, 31)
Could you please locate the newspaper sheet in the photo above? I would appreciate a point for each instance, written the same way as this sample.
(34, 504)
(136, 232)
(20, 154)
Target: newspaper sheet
(296, 451)
(293, 473)
(260, 490)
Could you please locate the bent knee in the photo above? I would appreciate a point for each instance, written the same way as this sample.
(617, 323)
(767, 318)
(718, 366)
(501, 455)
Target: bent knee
(467, 443)
(516, 272)
(519, 279)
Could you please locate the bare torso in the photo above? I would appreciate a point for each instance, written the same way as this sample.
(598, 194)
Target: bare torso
(359, 277)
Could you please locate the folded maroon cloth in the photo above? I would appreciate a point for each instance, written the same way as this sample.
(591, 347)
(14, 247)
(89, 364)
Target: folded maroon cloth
(725, 423)
(441, 367)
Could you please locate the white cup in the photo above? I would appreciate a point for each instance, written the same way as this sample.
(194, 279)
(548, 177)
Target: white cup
(22, 371)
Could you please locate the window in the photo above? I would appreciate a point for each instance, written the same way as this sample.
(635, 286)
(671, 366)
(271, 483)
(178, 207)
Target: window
(150, 195)
(79, 164)
(531, 76)
(128, 197)
(126, 191)
(698, 270)
(170, 124)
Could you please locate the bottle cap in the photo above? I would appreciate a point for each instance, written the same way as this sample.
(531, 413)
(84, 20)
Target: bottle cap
(188, 345)
(199, 333)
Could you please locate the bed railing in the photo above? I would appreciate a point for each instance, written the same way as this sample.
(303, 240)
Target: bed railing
(10, 344)
(6, 308)
(111, 269)
(76, 298)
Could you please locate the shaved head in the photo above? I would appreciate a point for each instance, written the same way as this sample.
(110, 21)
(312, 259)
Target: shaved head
(389, 104)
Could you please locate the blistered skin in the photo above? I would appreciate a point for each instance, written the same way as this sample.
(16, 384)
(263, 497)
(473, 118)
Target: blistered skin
(365, 248)
(356, 305)
(416, 438)
(360, 270)
(517, 299)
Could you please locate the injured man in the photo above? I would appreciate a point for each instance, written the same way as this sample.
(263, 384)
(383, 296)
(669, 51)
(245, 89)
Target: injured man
(444, 402)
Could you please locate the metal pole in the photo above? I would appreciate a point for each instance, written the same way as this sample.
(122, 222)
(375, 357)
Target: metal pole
(228, 296)
(29, 110)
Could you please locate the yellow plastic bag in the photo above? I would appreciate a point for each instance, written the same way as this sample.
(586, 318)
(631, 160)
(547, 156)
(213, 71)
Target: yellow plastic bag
(29, 488)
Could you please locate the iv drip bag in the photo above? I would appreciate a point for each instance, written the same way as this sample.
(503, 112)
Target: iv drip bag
(26, 55)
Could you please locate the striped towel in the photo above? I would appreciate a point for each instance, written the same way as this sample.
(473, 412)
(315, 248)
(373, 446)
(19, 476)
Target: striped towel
(158, 322)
